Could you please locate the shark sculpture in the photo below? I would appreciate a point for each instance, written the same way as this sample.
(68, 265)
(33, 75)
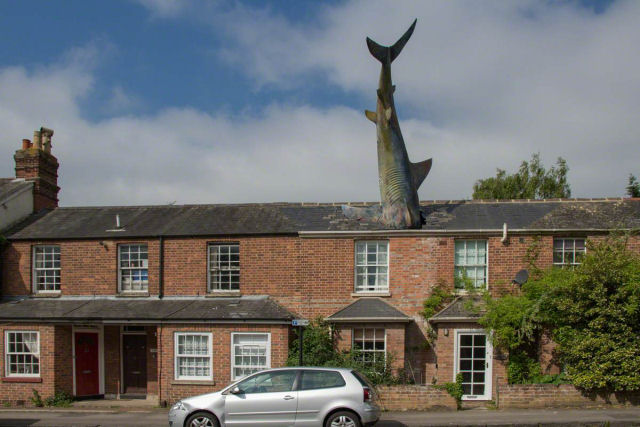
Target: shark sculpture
(399, 178)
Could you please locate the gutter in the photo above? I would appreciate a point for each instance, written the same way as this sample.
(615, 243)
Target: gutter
(452, 232)
(453, 319)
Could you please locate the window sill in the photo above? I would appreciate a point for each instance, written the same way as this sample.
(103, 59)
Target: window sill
(47, 295)
(371, 294)
(193, 382)
(132, 295)
(215, 294)
(22, 380)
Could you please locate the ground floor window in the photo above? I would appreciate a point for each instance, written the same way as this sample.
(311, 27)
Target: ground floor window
(250, 353)
(193, 356)
(22, 350)
(370, 344)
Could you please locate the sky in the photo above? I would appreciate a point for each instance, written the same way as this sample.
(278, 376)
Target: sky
(216, 101)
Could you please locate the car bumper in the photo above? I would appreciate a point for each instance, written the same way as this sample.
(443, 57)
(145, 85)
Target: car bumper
(370, 415)
(177, 417)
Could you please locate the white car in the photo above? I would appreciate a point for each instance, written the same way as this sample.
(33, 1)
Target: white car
(301, 397)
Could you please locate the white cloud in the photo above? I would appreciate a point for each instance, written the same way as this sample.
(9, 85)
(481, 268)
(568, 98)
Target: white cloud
(487, 85)
(523, 76)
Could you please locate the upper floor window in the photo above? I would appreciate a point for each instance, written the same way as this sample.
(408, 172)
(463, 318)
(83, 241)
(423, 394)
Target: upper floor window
(193, 356)
(372, 266)
(134, 268)
(22, 353)
(250, 353)
(370, 344)
(224, 267)
(470, 263)
(46, 268)
(568, 252)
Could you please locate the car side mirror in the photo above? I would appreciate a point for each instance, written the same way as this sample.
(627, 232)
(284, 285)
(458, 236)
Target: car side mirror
(235, 390)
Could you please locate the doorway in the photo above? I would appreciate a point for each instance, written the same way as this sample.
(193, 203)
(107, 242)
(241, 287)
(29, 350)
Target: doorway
(134, 363)
(473, 360)
(87, 363)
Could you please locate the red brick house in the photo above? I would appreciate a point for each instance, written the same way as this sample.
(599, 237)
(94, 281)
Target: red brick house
(170, 301)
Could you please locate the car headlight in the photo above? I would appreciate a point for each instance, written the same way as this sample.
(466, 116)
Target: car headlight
(179, 406)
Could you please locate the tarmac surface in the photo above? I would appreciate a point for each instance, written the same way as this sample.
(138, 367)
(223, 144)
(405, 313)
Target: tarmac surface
(474, 417)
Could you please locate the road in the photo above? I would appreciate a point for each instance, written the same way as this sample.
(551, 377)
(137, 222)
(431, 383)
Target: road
(158, 417)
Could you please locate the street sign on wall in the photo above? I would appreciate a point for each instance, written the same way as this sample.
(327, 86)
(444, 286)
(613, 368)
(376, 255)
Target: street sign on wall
(299, 322)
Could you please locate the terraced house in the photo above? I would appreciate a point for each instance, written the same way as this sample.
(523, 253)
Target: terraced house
(170, 301)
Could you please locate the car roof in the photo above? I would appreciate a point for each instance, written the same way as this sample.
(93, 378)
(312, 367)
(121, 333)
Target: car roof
(317, 368)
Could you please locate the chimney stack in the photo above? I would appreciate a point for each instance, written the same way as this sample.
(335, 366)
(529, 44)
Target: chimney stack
(34, 162)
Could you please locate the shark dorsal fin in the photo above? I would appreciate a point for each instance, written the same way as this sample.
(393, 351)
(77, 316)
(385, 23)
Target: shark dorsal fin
(419, 172)
(371, 115)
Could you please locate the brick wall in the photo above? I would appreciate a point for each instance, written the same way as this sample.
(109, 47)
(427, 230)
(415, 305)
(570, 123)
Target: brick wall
(414, 398)
(172, 390)
(18, 391)
(565, 395)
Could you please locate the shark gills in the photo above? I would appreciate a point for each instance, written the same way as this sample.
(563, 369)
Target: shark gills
(399, 178)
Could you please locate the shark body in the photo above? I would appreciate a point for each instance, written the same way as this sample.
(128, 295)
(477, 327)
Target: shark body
(399, 179)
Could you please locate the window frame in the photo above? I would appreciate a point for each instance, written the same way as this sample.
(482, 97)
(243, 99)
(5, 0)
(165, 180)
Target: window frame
(177, 356)
(364, 334)
(564, 251)
(486, 263)
(233, 354)
(377, 289)
(34, 269)
(210, 287)
(7, 354)
(120, 269)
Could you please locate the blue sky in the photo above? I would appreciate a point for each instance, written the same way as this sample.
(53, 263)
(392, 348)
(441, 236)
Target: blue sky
(213, 101)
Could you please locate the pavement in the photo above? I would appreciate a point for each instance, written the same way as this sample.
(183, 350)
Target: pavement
(474, 417)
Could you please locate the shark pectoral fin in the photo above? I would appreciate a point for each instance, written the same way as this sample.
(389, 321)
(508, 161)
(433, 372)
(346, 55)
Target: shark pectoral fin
(419, 172)
(387, 113)
(371, 115)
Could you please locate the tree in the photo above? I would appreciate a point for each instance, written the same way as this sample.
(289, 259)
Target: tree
(532, 181)
(633, 188)
(592, 313)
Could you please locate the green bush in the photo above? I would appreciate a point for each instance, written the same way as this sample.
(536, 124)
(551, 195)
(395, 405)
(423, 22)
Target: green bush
(36, 399)
(59, 399)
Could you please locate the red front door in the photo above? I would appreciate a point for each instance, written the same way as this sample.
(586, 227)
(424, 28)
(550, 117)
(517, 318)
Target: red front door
(87, 370)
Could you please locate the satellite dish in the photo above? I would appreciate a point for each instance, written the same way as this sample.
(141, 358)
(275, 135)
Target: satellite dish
(521, 277)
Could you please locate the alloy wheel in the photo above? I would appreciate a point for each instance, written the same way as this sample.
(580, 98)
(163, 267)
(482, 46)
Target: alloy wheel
(343, 421)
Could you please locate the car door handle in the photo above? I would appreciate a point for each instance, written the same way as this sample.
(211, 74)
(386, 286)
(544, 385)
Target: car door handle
(289, 397)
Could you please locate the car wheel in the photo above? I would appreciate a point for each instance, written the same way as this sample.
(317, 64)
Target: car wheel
(202, 419)
(343, 419)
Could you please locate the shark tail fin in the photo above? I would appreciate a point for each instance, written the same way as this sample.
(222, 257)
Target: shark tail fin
(389, 53)
(419, 172)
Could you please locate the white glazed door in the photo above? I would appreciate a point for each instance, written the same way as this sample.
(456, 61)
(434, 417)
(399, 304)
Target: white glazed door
(473, 361)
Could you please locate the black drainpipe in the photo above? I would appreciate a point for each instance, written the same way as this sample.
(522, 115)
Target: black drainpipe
(161, 268)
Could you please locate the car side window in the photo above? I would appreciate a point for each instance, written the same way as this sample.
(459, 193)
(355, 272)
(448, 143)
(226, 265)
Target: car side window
(268, 382)
(313, 380)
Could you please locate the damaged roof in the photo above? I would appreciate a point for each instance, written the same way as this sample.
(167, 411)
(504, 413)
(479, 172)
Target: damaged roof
(292, 218)
(241, 309)
(369, 309)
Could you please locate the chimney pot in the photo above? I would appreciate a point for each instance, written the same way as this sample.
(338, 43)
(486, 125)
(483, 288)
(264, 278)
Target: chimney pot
(37, 140)
(26, 144)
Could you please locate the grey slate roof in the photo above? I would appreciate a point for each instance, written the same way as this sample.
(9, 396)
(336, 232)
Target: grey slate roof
(456, 311)
(369, 309)
(11, 186)
(248, 308)
(291, 218)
